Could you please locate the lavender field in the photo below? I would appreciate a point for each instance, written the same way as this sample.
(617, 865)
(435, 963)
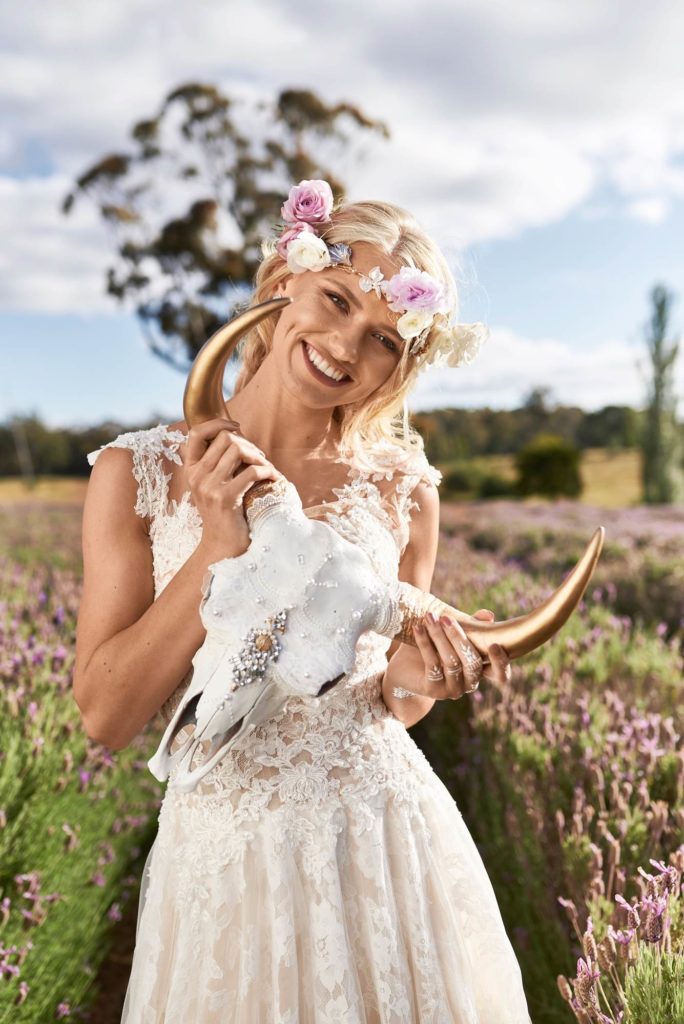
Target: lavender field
(570, 779)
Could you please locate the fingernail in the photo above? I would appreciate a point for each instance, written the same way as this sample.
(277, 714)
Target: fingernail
(445, 620)
(419, 627)
(433, 618)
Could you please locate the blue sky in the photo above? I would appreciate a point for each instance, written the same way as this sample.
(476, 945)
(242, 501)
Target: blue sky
(541, 146)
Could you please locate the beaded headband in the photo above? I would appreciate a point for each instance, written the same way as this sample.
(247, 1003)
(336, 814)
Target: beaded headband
(412, 292)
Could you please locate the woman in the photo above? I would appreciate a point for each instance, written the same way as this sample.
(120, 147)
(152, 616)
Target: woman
(321, 872)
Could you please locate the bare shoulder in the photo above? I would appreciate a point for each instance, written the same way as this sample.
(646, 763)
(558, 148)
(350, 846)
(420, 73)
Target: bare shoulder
(417, 563)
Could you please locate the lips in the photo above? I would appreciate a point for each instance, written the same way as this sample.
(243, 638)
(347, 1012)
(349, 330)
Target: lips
(319, 373)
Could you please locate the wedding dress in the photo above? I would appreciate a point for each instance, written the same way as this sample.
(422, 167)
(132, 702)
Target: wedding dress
(321, 873)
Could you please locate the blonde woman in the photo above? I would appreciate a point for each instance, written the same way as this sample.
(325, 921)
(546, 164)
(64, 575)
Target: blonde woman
(321, 872)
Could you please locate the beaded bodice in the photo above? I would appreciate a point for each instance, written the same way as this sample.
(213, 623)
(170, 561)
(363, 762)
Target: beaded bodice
(375, 517)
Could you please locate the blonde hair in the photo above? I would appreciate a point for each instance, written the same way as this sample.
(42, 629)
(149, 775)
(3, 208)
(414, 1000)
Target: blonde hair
(394, 231)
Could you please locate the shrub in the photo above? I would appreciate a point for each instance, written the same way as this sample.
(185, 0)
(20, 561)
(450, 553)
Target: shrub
(549, 465)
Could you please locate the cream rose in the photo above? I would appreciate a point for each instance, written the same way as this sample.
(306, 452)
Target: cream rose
(307, 252)
(413, 322)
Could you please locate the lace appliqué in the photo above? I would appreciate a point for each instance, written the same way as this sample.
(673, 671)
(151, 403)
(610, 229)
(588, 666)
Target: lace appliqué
(146, 447)
(321, 869)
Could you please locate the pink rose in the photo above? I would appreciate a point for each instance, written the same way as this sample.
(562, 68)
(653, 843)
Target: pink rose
(415, 289)
(309, 201)
(288, 235)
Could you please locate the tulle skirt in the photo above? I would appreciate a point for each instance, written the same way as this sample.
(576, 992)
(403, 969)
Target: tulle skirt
(357, 909)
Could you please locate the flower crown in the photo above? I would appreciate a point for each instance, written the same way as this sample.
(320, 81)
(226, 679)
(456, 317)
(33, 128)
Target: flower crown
(412, 292)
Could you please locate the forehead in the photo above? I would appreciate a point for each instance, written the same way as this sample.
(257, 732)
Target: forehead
(366, 256)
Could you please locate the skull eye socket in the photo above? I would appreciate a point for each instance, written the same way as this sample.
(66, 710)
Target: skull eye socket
(331, 682)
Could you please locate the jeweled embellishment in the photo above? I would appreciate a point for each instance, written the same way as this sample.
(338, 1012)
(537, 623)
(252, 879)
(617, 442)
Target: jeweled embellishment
(260, 647)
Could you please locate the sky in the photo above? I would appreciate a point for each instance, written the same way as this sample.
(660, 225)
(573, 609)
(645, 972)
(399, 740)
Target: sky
(540, 143)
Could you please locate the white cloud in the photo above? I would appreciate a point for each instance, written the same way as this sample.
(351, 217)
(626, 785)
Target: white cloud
(509, 365)
(504, 117)
(52, 264)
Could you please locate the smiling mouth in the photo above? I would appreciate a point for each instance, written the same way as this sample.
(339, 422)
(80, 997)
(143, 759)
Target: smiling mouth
(319, 373)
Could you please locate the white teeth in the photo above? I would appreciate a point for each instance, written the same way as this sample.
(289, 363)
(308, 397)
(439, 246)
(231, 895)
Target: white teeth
(322, 365)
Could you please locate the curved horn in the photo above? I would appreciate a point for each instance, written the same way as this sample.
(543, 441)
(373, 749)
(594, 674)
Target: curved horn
(203, 400)
(203, 395)
(519, 635)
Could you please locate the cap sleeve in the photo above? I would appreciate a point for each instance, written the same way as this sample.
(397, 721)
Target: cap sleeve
(147, 447)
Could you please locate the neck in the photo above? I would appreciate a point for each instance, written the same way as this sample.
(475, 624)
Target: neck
(278, 421)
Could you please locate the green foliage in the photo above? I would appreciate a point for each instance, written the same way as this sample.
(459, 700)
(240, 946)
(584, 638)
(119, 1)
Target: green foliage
(456, 435)
(662, 440)
(492, 485)
(654, 989)
(549, 465)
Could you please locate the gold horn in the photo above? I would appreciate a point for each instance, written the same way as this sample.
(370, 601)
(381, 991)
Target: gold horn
(203, 395)
(520, 635)
(203, 400)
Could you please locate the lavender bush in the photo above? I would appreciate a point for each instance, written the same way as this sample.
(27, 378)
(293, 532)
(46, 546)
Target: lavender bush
(570, 778)
(75, 821)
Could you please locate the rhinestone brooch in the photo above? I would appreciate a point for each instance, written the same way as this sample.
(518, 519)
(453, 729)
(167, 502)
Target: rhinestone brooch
(260, 647)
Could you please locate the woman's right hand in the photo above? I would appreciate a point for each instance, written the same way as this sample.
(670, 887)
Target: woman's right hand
(220, 467)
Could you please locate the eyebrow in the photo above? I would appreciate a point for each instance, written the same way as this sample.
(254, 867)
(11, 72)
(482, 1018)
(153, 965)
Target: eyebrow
(357, 302)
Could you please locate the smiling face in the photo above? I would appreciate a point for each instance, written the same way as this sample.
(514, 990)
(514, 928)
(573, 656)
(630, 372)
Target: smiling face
(333, 323)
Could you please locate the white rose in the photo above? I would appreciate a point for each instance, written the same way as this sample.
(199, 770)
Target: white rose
(413, 322)
(307, 252)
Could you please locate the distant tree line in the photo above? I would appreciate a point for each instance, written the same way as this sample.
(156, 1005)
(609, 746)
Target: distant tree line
(450, 434)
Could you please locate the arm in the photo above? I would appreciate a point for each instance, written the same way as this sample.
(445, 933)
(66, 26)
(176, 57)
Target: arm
(417, 567)
(131, 651)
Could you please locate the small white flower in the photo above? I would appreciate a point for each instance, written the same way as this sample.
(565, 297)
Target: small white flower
(307, 252)
(375, 276)
(414, 322)
(459, 345)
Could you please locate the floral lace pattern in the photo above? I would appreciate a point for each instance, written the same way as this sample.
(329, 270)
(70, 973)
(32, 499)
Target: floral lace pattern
(321, 872)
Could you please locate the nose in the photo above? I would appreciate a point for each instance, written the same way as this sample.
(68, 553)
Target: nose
(344, 347)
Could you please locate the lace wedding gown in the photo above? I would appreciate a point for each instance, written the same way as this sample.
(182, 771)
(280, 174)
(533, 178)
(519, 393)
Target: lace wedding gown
(321, 873)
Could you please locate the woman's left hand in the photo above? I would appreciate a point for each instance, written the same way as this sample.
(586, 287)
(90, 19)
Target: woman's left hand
(452, 664)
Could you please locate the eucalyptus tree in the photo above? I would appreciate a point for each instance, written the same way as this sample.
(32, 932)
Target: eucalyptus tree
(203, 183)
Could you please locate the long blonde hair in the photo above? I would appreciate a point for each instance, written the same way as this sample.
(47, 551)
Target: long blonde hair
(394, 231)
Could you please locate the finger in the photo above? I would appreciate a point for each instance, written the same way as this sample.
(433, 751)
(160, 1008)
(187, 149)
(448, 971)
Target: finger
(252, 474)
(453, 681)
(428, 652)
(241, 450)
(484, 613)
(499, 670)
(471, 658)
(222, 465)
(200, 436)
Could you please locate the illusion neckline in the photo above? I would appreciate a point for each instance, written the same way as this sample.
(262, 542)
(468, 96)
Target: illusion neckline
(171, 505)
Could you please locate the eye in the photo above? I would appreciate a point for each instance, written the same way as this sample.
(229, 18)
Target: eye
(390, 344)
(342, 304)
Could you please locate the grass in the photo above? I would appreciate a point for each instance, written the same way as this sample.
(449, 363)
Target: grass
(609, 479)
